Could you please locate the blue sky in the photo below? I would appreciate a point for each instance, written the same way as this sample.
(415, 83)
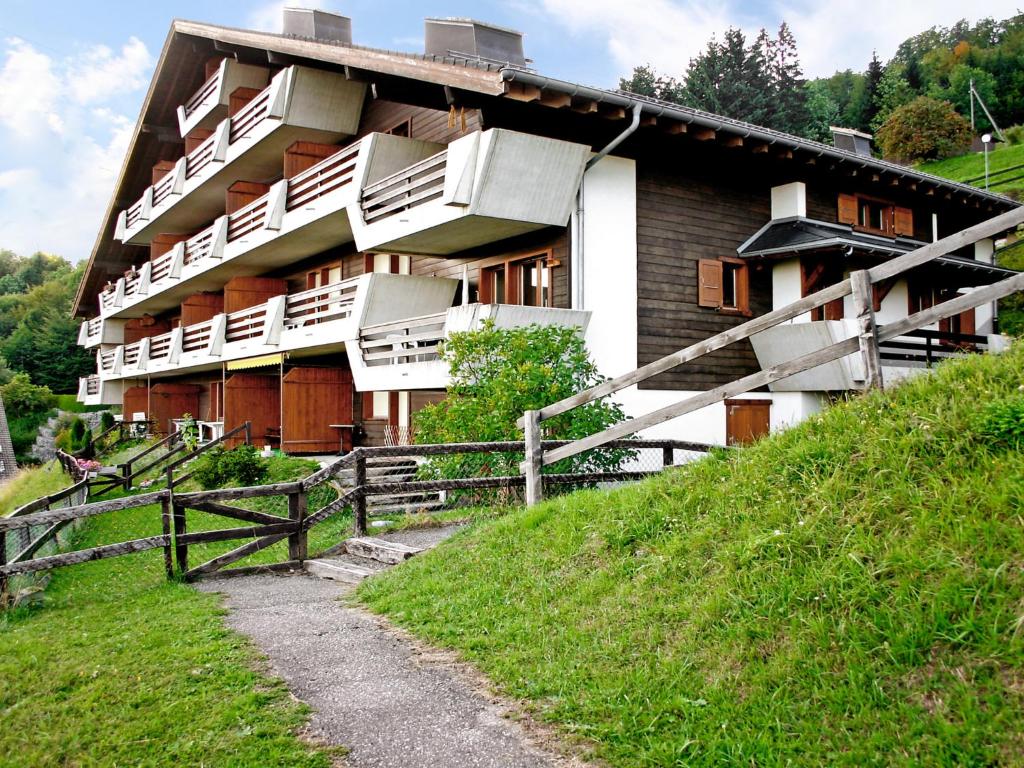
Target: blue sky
(73, 74)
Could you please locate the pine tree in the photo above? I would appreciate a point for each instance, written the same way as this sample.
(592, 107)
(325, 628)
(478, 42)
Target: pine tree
(787, 83)
(893, 92)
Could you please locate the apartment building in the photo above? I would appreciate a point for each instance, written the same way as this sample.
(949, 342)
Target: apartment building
(301, 221)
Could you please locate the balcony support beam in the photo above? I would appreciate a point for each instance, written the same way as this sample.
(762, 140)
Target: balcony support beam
(273, 320)
(178, 176)
(177, 260)
(147, 205)
(145, 278)
(220, 237)
(218, 332)
(222, 137)
(176, 346)
(277, 199)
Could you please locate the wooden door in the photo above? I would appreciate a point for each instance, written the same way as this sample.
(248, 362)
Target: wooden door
(315, 398)
(746, 420)
(255, 398)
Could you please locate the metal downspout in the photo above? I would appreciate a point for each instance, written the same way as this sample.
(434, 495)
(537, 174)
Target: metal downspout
(576, 257)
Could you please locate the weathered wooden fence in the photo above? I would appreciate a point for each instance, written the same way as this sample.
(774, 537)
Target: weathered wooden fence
(867, 344)
(263, 530)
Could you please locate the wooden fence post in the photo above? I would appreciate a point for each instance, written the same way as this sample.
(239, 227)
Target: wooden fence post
(359, 485)
(667, 456)
(860, 281)
(126, 471)
(165, 523)
(248, 433)
(532, 462)
(3, 576)
(298, 503)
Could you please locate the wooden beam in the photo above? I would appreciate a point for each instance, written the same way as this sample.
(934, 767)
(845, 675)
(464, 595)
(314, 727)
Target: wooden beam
(675, 127)
(648, 121)
(556, 99)
(759, 149)
(703, 134)
(520, 92)
(584, 106)
(611, 111)
(732, 141)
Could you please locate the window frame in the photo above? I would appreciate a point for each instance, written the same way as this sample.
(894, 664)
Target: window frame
(512, 266)
(714, 297)
(895, 214)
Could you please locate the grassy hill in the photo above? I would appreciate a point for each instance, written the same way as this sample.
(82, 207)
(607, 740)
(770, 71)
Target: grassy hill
(849, 592)
(972, 166)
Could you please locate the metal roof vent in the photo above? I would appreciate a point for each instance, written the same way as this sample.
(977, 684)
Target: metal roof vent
(851, 140)
(474, 40)
(322, 26)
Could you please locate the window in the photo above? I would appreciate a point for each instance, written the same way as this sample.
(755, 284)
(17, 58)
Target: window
(521, 281)
(723, 284)
(404, 128)
(923, 296)
(874, 215)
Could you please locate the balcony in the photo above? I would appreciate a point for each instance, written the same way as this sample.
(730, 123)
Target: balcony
(317, 321)
(97, 331)
(209, 105)
(299, 104)
(93, 390)
(298, 216)
(486, 186)
(902, 357)
(403, 354)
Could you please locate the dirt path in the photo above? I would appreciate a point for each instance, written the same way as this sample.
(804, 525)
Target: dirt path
(373, 690)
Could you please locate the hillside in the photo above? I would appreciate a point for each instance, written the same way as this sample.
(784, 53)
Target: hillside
(972, 166)
(849, 592)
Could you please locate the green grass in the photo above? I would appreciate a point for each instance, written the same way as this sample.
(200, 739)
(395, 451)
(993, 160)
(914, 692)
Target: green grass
(118, 666)
(70, 404)
(30, 484)
(849, 592)
(973, 165)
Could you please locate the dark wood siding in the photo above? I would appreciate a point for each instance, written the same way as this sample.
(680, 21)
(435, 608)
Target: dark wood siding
(681, 220)
(554, 238)
(427, 124)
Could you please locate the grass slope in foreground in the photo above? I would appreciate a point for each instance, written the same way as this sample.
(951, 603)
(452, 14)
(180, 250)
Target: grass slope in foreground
(972, 166)
(121, 667)
(849, 592)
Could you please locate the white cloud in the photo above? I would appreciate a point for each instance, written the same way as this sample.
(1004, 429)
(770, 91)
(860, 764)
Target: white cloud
(839, 34)
(63, 137)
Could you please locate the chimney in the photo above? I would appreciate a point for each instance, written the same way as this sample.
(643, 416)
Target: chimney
(474, 39)
(851, 140)
(322, 26)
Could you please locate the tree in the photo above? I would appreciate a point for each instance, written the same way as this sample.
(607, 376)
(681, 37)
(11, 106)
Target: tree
(790, 98)
(496, 375)
(893, 92)
(924, 129)
(958, 93)
(731, 79)
(822, 111)
(646, 82)
(864, 108)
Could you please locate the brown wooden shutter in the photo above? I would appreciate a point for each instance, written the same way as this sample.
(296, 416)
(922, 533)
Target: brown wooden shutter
(967, 322)
(904, 221)
(847, 209)
(709, 283)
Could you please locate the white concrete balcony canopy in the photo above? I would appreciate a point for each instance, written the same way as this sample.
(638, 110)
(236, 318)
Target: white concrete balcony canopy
(98, 331)
(209, 105)
(299, 104)
(485, 186)
(403, 354)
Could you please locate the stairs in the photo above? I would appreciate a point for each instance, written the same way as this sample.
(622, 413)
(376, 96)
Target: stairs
(360, 558)
(392, 470)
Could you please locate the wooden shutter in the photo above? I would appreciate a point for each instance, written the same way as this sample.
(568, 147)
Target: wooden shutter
(967, 322)
(903, 219)
(709, 283)
(847, 209)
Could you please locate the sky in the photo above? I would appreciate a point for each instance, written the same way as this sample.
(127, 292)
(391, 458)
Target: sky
(73, 74)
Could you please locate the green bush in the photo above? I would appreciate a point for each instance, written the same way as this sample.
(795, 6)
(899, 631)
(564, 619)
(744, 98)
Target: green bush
(1002, 423)
(924, 129)
(218, 468)
(1014, 134)
(22, 397)
(106, 421)
(80, 435)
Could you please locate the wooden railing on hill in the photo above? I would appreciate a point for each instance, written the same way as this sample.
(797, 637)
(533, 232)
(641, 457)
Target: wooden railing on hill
(264, 530)
(867, 344)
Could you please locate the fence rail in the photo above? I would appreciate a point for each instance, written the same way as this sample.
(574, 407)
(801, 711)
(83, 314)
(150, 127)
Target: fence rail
(867, 344)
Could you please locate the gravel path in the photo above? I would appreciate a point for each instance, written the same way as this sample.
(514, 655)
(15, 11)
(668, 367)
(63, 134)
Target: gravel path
(386, 698)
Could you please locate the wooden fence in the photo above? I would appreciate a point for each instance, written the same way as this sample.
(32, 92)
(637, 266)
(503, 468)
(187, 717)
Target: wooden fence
(866, 343)
(263, 530)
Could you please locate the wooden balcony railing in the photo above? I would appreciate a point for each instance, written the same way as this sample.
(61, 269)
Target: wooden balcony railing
(132, 353)
(924, 348)
(200, 246)
(250, 116)
(93, 329)
(160, 346)
(247, 219)
(162, 189)
(206, 90)
(106, 360)
(246, 323)
(414, 340)
(410, 187)
(321, 305)
(198, 158)
(328, 175)
(92, 385)
(197, 336)
(161, 266)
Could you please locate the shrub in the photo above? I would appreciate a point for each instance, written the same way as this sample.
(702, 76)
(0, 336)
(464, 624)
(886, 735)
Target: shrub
(1002, 423)
(239, 466)
(924, 129)
(1014, 134)
(22, 397)
(496, 375)
(106, 421)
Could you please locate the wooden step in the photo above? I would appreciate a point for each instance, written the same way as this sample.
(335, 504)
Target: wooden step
(390, 552)
(388, 509)
(338, 570)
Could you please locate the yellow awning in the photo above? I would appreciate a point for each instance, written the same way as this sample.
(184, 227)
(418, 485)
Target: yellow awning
(255, 362)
